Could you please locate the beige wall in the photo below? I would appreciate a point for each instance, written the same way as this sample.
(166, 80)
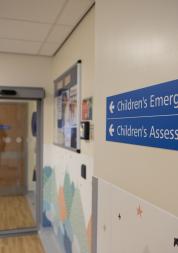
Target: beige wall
(79, 46)
(22, 70)
(136, 46)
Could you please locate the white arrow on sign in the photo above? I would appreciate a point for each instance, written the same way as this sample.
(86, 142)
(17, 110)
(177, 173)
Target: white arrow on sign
(111, 130)
(111, 107)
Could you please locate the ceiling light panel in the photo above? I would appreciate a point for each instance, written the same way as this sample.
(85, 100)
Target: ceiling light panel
(31, 10)
(49, 49)
(73, 11)
(23, 30)
(15, 46)
(59, 33)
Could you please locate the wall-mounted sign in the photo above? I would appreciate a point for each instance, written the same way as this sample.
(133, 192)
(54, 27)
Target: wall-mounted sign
(34, 124)
(5, 127)
(147, 116)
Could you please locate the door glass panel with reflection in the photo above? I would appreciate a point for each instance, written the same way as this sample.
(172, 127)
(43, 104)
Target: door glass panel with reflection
(17, 165)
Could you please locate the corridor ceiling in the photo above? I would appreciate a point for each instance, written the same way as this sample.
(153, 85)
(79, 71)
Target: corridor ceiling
(38, 27)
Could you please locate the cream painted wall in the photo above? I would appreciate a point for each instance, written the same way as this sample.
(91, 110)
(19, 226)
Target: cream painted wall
(79, 46)
(22, 70)
(136, 46)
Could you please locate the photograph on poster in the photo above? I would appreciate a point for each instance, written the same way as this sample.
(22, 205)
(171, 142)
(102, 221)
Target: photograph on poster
(87, 109)
(66, 109)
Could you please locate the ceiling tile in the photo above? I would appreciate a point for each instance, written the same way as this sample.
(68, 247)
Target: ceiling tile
(59, 33)
(23, 30)
(32, 10)
(49, 49)
(73, 11)
(15, 46)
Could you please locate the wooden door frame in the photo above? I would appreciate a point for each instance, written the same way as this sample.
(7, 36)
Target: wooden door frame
(35, 94)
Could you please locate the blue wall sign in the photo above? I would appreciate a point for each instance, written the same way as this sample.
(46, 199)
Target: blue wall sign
(5, 127)
(147, 116)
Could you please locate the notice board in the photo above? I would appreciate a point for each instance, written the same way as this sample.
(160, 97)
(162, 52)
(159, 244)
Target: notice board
(67, 108)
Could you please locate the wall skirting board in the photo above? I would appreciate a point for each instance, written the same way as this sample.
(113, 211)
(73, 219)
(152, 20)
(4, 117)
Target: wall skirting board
(126, 223)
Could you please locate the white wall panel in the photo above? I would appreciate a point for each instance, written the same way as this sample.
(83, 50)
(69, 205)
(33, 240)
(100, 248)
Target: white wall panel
(152, 231)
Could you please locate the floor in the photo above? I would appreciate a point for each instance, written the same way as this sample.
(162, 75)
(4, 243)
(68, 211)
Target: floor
(19, 211)
(32, 202)
(15, 213)
(21, 244)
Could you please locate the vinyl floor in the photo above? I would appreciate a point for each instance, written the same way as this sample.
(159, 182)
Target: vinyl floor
(21, 244)
(15, 213)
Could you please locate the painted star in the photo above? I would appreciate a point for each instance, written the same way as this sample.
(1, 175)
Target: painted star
(139, 211)
(119, 216)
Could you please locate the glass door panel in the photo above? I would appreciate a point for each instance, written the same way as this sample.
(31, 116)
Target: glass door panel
(17, 165)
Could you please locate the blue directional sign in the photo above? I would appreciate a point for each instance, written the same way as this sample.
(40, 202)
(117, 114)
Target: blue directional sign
(5, 127)
(147, 116)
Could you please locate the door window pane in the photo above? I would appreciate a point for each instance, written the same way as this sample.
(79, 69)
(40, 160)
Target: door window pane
(17, 165)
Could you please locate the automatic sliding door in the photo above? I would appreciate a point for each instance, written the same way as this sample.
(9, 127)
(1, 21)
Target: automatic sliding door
(18, 164)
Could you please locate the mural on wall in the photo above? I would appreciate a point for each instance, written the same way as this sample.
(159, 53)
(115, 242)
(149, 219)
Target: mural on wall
(127, 223)
(63, 207)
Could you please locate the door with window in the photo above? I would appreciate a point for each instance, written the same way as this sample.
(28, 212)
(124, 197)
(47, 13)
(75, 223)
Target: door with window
(20, 160)
(13, 147)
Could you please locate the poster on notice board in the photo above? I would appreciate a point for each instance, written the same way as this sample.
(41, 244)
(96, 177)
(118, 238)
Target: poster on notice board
(87, 108)
(67, 109)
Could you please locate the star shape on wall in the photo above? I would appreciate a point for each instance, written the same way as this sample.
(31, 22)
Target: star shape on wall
(119, 216)
(139, 211)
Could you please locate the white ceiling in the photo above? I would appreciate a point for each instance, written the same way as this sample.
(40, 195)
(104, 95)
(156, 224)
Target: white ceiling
(38, 27)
